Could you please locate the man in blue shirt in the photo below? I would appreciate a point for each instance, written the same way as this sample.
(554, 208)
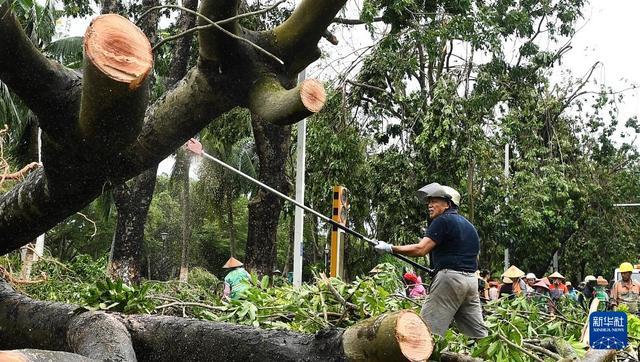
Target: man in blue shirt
(454, 246)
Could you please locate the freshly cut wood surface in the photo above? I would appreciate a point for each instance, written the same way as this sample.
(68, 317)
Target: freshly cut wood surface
(119, 49)
(313, 95)
(413, 337)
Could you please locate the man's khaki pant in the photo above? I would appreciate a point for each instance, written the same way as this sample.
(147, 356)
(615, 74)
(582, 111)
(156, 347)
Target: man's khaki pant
(454, 297)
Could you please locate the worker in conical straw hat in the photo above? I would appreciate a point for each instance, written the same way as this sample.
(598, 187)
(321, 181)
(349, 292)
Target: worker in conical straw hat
(237, 280)
(515, 274)
(557, 288)
(506, 289)
(453, 243)
(627, 290)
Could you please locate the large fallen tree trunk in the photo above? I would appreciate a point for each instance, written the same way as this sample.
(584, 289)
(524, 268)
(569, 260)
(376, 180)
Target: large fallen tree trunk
(26, 323)
(600, 355)
(27, 355)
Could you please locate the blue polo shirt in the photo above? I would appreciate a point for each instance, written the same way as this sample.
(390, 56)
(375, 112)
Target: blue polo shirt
(457, 242)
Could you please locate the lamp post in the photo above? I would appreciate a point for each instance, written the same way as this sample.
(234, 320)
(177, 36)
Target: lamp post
(326, 258)
(163, 258)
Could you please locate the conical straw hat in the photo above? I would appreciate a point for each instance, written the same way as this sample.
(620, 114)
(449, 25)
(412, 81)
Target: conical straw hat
(513, 273)
(601, 281)
(232, 263)
(506, 280)
(556, 275)
(541, 284)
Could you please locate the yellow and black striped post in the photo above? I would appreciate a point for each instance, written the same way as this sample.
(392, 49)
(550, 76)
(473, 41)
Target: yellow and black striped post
(339, 215)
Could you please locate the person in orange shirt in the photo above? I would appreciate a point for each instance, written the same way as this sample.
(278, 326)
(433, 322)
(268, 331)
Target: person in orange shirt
(557, 289)
(626, 291)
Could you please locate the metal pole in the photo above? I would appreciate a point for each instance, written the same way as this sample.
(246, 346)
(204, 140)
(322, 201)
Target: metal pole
(626, 205)
(506, 200)
(298, 233)
(306, 208)
(39, 249)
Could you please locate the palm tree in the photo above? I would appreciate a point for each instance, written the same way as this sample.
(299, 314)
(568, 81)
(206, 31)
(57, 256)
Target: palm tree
(224, 186)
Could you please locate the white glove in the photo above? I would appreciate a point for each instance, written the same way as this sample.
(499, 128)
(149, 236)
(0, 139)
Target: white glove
(383, 247)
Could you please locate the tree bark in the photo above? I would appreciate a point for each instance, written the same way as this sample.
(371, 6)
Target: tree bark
(25, 323)
(24, 355)
(458, 357)
(183, 163)
(272, 147)
(600, 355)
(132, 203)
(397, 336)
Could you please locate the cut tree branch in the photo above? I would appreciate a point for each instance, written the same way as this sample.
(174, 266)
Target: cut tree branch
(117, 62)
(277, 105)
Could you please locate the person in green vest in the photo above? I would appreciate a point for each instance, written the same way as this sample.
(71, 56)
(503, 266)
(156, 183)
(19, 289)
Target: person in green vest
(236, 281)
(601, 293)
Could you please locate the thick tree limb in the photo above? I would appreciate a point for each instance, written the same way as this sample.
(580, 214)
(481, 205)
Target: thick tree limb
(114, 95)
(298, 36)
(213, 41)
(398, 336)
(269, 100)
(49, 90)
(25, 323)
(30, 204)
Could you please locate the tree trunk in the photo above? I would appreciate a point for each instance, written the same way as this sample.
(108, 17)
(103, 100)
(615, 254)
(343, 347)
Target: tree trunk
(272, 146)
(132, 203)
(183, 163)
(25, 323)
(136, 205)
(233, 235)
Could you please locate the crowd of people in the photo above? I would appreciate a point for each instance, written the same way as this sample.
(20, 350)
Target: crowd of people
(551, 288)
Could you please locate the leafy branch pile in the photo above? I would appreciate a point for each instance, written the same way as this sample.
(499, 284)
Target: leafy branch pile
(520, 329)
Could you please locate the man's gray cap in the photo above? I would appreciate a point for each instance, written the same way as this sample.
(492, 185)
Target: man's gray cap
(437, 190)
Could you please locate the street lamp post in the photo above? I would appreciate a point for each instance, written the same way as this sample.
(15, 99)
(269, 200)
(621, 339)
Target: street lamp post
(163, 258)
(326, 258)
